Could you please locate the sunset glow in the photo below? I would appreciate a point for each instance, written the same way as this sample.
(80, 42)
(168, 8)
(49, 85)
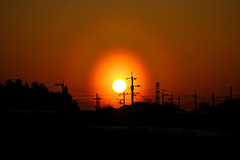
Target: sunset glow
(117, 63)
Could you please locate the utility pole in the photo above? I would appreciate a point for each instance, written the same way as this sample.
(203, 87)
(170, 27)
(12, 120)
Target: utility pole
(171, 99)
(132, 86)
(157, 92)
(195, 95)
(124, 98)
(179, 102)
(97, 102)
(231, 93)
(163, 96)
(213, 99)
(122, 101)
(60, 84)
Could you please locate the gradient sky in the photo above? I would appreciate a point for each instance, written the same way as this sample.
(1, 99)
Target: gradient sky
(187, 45)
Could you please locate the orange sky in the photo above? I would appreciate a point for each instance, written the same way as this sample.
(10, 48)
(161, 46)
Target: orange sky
(185, 45)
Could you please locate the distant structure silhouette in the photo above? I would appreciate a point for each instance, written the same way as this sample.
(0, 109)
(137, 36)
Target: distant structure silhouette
(195, 102)
(178, 102)
(124, 97)
(97, 102)
(157, 98)
(163, 103)
(132, 86)
(171, 99)
(213, 99)
(231, 93)
(123, 100)
(60, 84)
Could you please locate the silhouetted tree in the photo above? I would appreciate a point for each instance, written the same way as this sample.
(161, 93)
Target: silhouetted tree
(65, 89)
(9, 83)
(26, 86)
(16, 96)
(18, 83)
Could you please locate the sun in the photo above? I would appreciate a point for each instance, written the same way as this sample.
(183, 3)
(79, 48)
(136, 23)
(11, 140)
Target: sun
(119, 86)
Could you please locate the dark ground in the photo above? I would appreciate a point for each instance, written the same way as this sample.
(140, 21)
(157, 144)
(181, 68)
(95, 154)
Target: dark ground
(112, 125)
(96, 133)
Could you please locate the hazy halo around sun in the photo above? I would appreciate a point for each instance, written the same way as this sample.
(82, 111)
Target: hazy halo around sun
(119, 86)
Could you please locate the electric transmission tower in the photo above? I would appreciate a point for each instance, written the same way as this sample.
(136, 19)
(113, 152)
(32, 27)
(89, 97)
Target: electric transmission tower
(97, 102)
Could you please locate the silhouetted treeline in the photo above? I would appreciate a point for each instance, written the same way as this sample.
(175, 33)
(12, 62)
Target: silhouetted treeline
(221, 118)
(16, 96)
(226, 107)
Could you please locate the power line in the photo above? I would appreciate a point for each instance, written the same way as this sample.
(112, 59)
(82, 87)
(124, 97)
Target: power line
(186, 99)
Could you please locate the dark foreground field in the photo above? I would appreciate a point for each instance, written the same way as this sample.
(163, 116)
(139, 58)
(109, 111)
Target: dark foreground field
(87, 126)
(95, 133)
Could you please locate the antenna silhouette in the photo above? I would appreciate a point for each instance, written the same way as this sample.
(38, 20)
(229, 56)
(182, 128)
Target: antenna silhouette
(60, 84)
(132, 86)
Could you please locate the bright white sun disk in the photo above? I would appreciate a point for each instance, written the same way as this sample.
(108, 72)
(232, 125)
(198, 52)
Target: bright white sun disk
(119, 86)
